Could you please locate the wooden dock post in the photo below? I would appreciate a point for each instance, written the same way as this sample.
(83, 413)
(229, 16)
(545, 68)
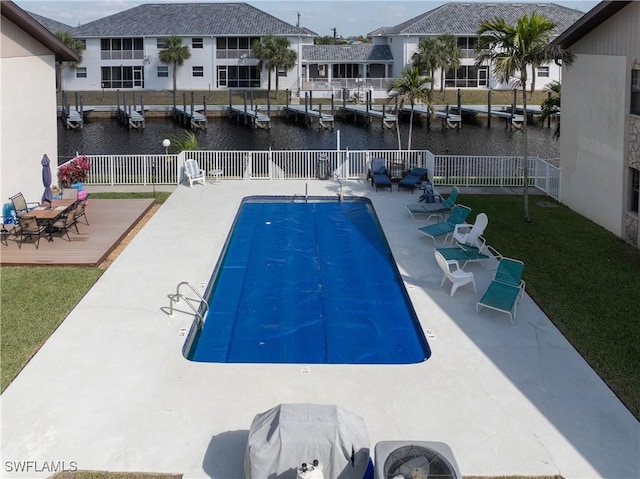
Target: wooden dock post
(244, 99)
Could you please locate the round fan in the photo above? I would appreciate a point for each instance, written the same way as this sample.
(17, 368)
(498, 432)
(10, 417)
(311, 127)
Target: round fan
(416, 462)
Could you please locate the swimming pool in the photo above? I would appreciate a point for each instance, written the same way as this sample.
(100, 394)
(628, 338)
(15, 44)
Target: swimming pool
(307, 281)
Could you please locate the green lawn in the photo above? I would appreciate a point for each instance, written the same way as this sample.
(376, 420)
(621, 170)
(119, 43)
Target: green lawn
(582, 276)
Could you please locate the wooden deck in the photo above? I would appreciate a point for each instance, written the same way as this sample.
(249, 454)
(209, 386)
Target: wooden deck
(109, 222)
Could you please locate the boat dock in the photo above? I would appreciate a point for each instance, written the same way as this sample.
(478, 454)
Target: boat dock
(501, 111)
(130, 116)
(257, 118)
(325, 120)
(191, 116)
(450, 120)
(389, 120)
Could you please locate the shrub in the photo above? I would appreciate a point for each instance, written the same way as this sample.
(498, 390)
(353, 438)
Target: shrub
(74, 171)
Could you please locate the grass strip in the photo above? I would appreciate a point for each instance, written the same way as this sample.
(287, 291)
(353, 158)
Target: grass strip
(582, 276)
(35, 300)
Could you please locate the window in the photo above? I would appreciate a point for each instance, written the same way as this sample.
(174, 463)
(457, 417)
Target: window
(81, 72)
(161, 43)
(196, 43)
(163, 71)
(543, 72)
(235, 47)
(239, 76)
(197, 71)
(635, 189)
(635, 92)
(121, 49)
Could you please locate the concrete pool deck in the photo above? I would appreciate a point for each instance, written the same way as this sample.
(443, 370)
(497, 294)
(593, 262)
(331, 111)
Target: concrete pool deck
(110, 389)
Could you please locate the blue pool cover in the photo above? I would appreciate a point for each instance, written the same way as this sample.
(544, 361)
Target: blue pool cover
(308, 282)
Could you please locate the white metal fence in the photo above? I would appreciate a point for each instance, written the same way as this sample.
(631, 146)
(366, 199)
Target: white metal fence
(460, 170)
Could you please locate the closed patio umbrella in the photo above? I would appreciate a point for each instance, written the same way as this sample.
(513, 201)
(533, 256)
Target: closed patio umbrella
(46, 179)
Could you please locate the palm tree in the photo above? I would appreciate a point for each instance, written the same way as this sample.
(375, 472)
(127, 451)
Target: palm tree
(551, 105)
(410, 87)
(78, 45)
(274, 53)
(174, 53)
(426, 58)
(285, 58)
(449, 55)
(511, 49)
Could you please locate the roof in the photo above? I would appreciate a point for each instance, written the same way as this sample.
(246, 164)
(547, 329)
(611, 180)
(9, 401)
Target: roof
(361, 52)
(465, 18)
(188, 19)
(26, 22)
(52, 25)
(594, 17)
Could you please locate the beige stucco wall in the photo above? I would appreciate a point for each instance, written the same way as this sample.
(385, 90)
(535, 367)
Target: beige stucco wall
(28, 118)
(592, 148)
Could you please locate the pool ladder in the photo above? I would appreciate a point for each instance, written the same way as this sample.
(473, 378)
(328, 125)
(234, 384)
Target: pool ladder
(175, 298)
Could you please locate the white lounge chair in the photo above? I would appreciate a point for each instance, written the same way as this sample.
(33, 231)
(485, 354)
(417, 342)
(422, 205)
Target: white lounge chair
(457, 276)
(194, 173)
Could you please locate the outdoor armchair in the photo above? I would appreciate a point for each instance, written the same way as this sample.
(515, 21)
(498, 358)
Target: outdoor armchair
(29, 228)
(457, 275)
(194, 173)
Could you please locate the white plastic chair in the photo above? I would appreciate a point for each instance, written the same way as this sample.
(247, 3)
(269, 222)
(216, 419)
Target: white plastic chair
(470, 234)
(194, 173)
(457, 276)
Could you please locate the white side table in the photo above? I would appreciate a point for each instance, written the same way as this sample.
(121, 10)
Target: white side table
(217, 173)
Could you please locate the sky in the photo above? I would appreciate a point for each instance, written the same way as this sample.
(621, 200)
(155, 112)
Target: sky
(348, 17)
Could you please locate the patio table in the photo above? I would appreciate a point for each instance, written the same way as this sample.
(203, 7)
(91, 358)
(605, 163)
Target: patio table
(49, 215)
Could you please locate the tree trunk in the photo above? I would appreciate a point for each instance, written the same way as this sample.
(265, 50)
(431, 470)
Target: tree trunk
(398, 128)
(533, 82)
(175, 75)
(410, 128)
(525, 170)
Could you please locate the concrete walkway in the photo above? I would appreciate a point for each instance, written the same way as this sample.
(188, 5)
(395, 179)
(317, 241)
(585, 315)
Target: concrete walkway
(111, 390)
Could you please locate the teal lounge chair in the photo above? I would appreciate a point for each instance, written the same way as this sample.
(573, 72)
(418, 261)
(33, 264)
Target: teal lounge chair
(485, 254)
(439, 207)
(446, 228)
(506, 289)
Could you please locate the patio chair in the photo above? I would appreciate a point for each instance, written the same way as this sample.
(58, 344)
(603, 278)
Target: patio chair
(438, 207)
(20, 205)
(446, 228)
(65, 221)
(470, 234)
(194, 173)
(414, 179)
(70, 194)
(29, 228)
(379, 174)
(506, 288)
(457, 276)
(80, 212)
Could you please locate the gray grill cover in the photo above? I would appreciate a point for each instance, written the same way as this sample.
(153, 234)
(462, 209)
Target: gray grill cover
(284, 437)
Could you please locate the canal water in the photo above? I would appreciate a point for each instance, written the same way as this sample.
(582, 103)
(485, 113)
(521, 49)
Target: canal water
(107, 137)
